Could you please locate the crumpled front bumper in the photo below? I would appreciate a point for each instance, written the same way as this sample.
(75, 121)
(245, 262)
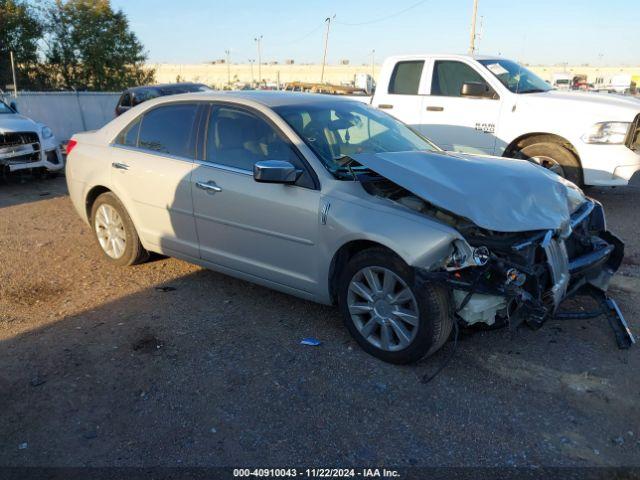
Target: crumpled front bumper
(537, 274)
(48, 157)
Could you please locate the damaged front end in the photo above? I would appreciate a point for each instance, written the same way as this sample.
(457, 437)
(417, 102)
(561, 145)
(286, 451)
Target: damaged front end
(525, 277)
(518, 258)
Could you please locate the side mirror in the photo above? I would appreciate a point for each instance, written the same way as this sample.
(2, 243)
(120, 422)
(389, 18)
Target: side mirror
(13, 106)
(475, 89)
(275, 171)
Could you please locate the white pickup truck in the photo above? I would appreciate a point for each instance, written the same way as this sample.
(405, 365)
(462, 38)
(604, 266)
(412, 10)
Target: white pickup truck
(493, 106)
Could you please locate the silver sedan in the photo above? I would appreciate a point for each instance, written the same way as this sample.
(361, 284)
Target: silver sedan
(334, 201)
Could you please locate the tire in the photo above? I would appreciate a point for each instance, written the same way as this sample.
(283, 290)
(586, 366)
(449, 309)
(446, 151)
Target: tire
(130, 251)
(562, 160)
(431, 303)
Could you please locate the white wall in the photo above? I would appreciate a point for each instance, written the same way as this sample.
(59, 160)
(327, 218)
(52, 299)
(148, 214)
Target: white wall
(68, 112)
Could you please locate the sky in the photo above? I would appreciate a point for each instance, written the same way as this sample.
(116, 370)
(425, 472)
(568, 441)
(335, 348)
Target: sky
(597, 32)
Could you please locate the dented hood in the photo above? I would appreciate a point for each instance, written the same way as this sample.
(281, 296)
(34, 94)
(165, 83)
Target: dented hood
(499, 194)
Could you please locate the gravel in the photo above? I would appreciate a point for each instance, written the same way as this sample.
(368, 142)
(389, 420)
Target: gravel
(210, 372)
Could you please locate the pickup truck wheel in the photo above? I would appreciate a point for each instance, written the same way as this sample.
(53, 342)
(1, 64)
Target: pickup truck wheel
(114, 232)
(556, 158)
(386, 313)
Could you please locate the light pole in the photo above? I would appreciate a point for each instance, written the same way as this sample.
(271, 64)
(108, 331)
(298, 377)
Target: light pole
(253, 81)
(326, 44)
(472, 44)
(13, 72)
(373, 64)
(258, 41)
(228, 54)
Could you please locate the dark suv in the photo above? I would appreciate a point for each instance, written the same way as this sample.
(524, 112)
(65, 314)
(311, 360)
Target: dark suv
(136, 95)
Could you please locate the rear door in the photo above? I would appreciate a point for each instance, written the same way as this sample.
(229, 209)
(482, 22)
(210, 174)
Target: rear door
(405, 92)
(455, 122)
(151, 166)
(266, 231)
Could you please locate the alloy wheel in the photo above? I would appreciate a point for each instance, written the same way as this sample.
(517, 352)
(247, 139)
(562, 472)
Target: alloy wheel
(110, 231)
(383, 308)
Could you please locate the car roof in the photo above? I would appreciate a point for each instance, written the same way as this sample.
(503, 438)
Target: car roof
(267, 98)
(164, 86)
(448, 56)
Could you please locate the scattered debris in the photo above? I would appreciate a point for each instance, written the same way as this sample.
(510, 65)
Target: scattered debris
(38, 380)
(90, 435)
(617, 441)
(147, 343)
(213, 430)
(23, 446)
(311, 342)
(381, 387)
(165, 289)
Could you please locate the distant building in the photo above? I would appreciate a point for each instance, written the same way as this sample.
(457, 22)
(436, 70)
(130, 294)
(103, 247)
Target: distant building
(344, 61)
(289, 61)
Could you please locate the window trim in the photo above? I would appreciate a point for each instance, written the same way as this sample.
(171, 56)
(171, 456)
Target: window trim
(204, 131)
(420, 80)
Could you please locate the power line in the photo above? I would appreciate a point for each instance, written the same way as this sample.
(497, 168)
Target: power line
(386, 17)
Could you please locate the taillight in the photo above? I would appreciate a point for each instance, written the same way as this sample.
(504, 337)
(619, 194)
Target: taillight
(71, 145)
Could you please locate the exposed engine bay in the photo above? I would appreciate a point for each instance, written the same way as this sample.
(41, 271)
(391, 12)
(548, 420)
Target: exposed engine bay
(515, 277)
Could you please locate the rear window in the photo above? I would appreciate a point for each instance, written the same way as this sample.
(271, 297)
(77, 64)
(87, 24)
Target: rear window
(405, 79)
(169, 130)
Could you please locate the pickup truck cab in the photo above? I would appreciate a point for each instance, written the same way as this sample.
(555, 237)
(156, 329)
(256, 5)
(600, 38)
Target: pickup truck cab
(494, 106)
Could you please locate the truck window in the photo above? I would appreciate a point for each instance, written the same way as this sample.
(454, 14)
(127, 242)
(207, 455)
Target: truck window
(405, 78)
(449, 76)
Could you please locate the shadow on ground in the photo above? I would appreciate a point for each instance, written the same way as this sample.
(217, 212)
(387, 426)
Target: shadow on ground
(212, 373)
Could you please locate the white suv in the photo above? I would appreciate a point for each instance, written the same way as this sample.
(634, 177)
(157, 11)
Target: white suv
(26, 144)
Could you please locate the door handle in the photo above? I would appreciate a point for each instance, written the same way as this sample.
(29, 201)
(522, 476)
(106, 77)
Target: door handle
(120, 166)
(434, 109)
(209, 187)
(385, 106)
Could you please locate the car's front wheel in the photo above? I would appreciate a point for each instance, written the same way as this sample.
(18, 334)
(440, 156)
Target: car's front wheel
(385, 311)
(115, 233)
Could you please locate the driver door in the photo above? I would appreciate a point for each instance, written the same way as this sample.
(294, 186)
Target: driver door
(266, 231)
(455, 122)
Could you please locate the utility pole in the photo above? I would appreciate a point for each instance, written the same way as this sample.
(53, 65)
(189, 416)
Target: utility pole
(258, 41)
(326, 44)
(228, 54)
(253, 81)
(472, 44)
(373, 64)
(13, 70)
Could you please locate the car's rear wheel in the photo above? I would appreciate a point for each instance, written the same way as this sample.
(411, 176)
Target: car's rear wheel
(115, 233)
(387, 313)
(556, 158)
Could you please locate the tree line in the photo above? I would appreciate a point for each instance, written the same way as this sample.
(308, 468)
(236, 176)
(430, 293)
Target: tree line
(70, 44)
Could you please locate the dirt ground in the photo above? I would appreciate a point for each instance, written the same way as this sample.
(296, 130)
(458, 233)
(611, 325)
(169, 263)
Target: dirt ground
(104, 366)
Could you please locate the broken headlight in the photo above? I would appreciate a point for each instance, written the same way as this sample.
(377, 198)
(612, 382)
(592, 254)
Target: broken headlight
(464, 255)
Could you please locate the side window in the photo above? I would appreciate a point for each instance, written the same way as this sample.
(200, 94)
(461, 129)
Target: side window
(125, 101)
(129, 136)
(405, 78)
(449, 76)
(237, 138)
(169, 129)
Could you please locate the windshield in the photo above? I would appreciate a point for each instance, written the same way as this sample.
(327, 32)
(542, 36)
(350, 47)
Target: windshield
(342, 129)
(4, 108)
(515, 77)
